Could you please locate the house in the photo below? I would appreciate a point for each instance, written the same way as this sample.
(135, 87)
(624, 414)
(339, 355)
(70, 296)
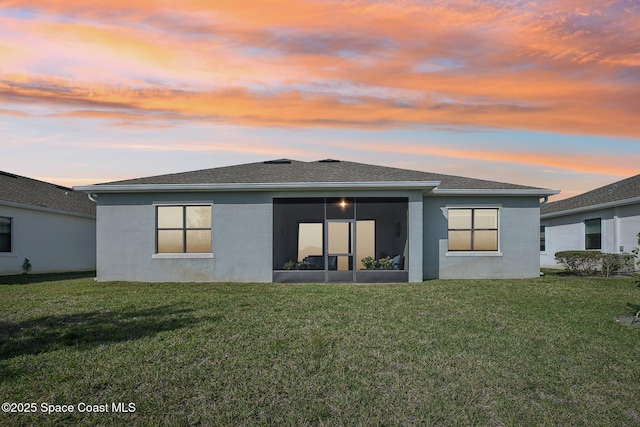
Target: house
(54, 227)
(605, 219)
(293, 221)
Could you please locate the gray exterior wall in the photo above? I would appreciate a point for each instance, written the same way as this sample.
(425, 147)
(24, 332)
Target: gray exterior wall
(240, 229)
(518, 231)
(53, 242)
(242, 237)
(242, 233)
(620, 227)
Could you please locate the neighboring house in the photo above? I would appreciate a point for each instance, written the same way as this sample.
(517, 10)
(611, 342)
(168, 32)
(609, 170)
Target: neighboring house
(605, 219)
(254, 222)
(52, 226)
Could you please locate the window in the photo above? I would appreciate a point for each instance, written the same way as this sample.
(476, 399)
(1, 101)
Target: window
(543, 243)
(593, 234)
(5, 234)
(310, 238)
(365, 240)
(183, 229)
(473, 229)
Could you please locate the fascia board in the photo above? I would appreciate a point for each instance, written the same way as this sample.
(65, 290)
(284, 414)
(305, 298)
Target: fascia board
(44, 209)
(607, 205)
(540, 192)
(154, 188)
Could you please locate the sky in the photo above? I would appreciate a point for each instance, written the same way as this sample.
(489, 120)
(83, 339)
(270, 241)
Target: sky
(540, 93)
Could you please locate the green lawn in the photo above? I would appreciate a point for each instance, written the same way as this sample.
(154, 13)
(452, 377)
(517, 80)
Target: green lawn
(545, 351)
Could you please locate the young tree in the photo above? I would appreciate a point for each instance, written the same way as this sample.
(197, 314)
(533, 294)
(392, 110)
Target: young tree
(636, 253)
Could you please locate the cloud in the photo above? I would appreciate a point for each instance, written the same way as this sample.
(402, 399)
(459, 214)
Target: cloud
(564, 66)
(603, 164)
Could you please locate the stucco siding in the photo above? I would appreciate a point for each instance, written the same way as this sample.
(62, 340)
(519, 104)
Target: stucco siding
(628, 227)
(518, 254)
(52, 242)
(242, 237)
(241, 232)
(620, 226)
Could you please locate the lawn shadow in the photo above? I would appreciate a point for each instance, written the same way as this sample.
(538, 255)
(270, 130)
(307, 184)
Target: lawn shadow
(26, 279)
(83, 330)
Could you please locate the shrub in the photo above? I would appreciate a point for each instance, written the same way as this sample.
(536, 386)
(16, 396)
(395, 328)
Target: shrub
(385, 263)
(26, 266)
(615, 263)
(369, 263)
(589, 263)
(582, 263)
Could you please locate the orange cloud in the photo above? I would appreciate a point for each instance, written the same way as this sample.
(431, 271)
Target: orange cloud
(295, 108)
(608, 165)
(561, 66)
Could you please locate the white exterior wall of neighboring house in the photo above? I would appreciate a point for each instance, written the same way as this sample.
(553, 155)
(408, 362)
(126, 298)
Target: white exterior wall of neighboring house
(620, 227)
(518, 230)
(53, 241)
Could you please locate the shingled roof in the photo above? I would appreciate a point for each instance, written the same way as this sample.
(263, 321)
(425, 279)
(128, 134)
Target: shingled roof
(618, 193)
(323, 171)
(22, 191)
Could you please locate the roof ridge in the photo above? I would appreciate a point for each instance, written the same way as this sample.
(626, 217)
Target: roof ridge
(163, 175)
(595, 190)
(618, 191)
(444, 175)
(13, 175)
(323, 170)
(23, 191)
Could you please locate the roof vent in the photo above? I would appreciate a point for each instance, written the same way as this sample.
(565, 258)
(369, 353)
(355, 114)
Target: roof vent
(278, 162)
(329, 161)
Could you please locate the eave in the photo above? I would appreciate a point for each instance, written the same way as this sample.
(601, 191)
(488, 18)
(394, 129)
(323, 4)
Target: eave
(45, 209)
(539, 192)
(589, 208)
(425, 186)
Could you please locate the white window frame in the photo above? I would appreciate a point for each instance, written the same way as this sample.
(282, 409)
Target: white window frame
(496, 253)
(179, 255)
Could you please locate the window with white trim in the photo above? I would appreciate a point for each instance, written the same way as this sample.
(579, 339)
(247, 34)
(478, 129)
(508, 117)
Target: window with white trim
(5, 234)
(593, 233)
(183, 229)
(473, 229)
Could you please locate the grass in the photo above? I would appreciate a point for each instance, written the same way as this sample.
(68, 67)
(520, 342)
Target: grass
(544, 351)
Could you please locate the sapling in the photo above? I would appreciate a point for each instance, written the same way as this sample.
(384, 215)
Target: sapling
(26, 266)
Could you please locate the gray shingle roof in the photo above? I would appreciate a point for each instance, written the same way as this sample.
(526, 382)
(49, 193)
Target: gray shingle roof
(617, 192)
(292, 171)
(26, 191)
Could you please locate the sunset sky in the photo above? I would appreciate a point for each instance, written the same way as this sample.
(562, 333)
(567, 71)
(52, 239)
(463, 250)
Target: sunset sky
(541, 93)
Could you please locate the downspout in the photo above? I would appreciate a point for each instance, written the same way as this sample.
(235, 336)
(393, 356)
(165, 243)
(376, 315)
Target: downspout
(92, 197)
(616, 233)
(544, 201)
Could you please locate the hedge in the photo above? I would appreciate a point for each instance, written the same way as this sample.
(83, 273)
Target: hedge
(590, 263)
